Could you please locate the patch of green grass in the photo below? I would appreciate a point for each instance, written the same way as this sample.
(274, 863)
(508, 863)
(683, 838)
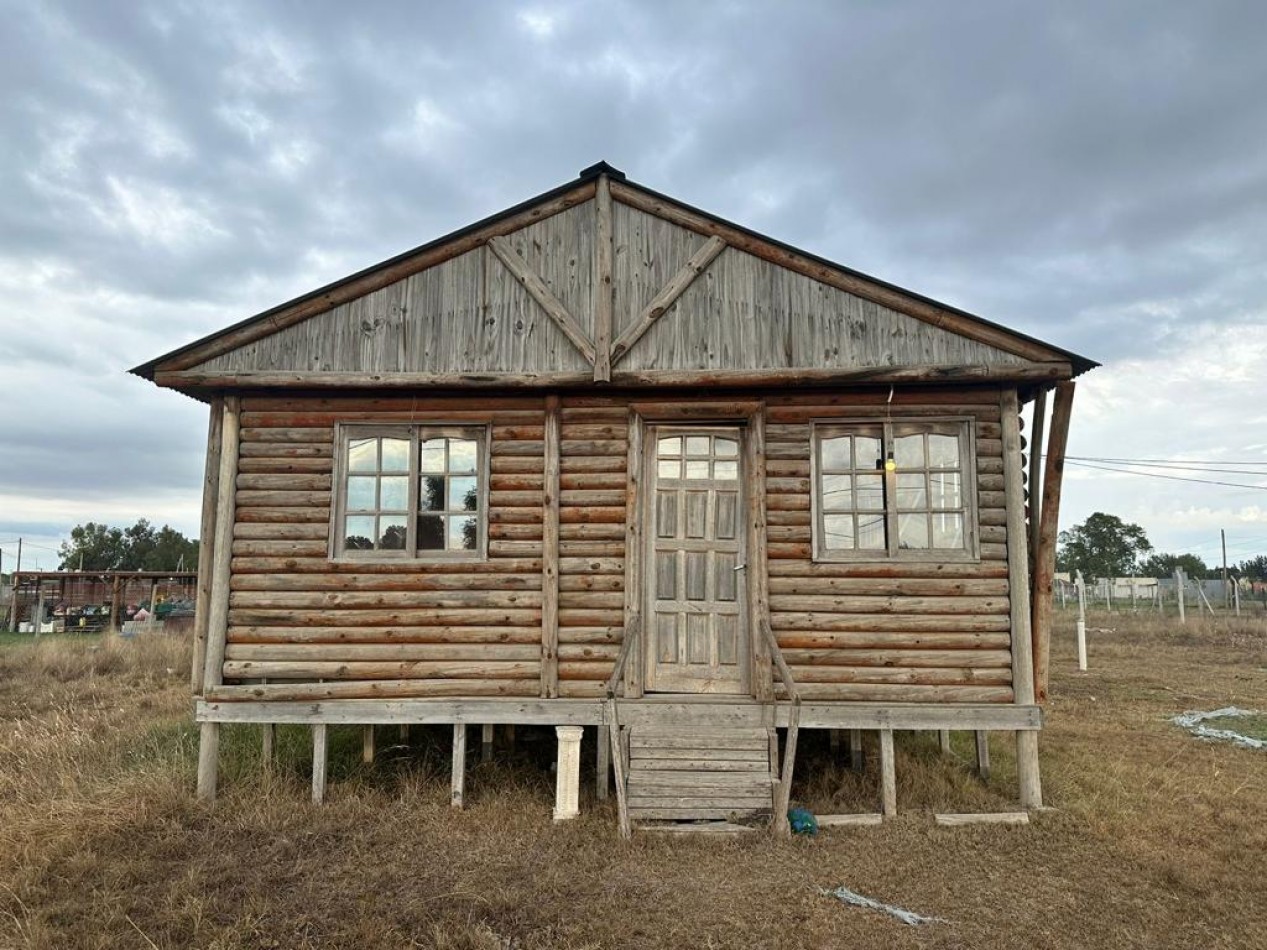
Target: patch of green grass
(9, 638)
(1254, 727)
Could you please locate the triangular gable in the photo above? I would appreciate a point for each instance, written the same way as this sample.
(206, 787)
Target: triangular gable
(605, 280)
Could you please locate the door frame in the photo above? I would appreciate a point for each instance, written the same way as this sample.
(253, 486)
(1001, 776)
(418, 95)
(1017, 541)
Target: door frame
(749, 416)
(656, 431)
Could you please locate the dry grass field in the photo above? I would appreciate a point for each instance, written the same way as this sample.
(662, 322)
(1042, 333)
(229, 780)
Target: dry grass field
(1155, 839)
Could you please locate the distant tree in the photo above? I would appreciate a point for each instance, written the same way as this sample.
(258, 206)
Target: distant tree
(1254, 568)
(1163, 565)
(141, 547)
(1102, 546)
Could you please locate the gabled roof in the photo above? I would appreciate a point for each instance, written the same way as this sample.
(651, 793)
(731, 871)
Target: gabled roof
(563, 288)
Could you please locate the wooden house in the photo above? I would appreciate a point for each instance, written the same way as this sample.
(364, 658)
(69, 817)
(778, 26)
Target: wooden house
(607, 460)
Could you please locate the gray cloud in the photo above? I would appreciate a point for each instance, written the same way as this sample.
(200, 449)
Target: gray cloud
(1092, 174)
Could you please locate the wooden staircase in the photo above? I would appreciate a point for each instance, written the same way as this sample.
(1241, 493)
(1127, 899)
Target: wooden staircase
(703, 761)
(696, 773)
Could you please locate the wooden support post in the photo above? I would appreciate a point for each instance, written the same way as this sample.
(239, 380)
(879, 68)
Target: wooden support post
(208, 760)
(773, 737)
(602, 765)
(983, 754)
(404, 732)
(320, 761)
(634, 670)
(458, 792)
(510, 736)
(888, 775)
(943, 741)
(486, 743)
(1017, 553)
(367, 745)
(833, 743)
(1053, 470)
(206, 545)
(1027, 773)
(226, 505)
(619, 768)
(153, 604)
(1035, 478)
(268, 745)
(550, 552)
(856, 762)
(567, 777)
(757, 570)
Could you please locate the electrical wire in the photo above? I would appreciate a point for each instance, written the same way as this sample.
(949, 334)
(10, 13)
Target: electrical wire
(1173, 478)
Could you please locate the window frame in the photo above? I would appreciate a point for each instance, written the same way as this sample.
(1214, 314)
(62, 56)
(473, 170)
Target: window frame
(414, 432)
(821, 429)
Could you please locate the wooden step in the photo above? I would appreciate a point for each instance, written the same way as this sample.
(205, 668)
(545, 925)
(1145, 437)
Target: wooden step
(691, 772)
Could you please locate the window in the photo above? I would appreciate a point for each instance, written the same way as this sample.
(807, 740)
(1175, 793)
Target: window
(411, 491)
(900, 488)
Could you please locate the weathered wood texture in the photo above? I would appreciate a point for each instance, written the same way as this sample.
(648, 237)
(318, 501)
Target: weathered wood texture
(467, 314)
(899, 630)
(521, 306)
(383, 628)
(894, 631)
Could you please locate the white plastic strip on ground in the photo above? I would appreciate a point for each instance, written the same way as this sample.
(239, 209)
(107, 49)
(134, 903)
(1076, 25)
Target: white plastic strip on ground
(859, 900)
(1192, 721)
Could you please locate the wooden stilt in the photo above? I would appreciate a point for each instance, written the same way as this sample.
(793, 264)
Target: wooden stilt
(833, 741)
(943, 741)
(208, 760)
(1027, 769)
(888, 775)
(855, 750)
(983, 754)
(367, 744)
(620, 767)
(486, 742)
(567, 786)
(510, 736)
(320, 738)
(404, 732)
(268, 745)
(458, 793)
(602, 778)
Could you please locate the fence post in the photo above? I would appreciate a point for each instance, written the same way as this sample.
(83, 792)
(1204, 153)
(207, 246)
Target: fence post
(1179, 583)
(1082, 621)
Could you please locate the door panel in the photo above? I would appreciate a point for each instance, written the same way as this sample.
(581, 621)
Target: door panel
(695, 601)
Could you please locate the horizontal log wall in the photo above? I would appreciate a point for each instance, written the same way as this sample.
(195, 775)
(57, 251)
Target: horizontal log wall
(875, 632)
(592, 483)
(901, 631)
(370, 629)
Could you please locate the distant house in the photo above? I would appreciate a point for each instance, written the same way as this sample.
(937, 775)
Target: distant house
(607, 460)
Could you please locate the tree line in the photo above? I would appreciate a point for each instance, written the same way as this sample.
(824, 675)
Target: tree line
(141, 547)
(1105, 546)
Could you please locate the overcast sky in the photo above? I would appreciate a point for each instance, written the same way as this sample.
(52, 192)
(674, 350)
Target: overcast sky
(1093, 174)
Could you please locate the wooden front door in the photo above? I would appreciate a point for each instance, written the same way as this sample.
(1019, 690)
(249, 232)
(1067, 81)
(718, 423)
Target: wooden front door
(697, 638)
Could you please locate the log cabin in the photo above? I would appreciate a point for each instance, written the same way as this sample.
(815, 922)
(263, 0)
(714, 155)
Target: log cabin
(607, 460)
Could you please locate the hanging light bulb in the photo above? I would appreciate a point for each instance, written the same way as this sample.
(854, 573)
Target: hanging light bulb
(889, 464)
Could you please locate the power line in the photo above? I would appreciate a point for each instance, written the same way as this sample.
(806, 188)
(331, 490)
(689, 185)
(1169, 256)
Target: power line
(1173, 478)
(1200, 462)
(1182, 467)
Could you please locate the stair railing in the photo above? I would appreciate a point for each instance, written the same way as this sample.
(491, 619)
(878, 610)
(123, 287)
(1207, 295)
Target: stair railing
(632, 635)
(784, 796)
